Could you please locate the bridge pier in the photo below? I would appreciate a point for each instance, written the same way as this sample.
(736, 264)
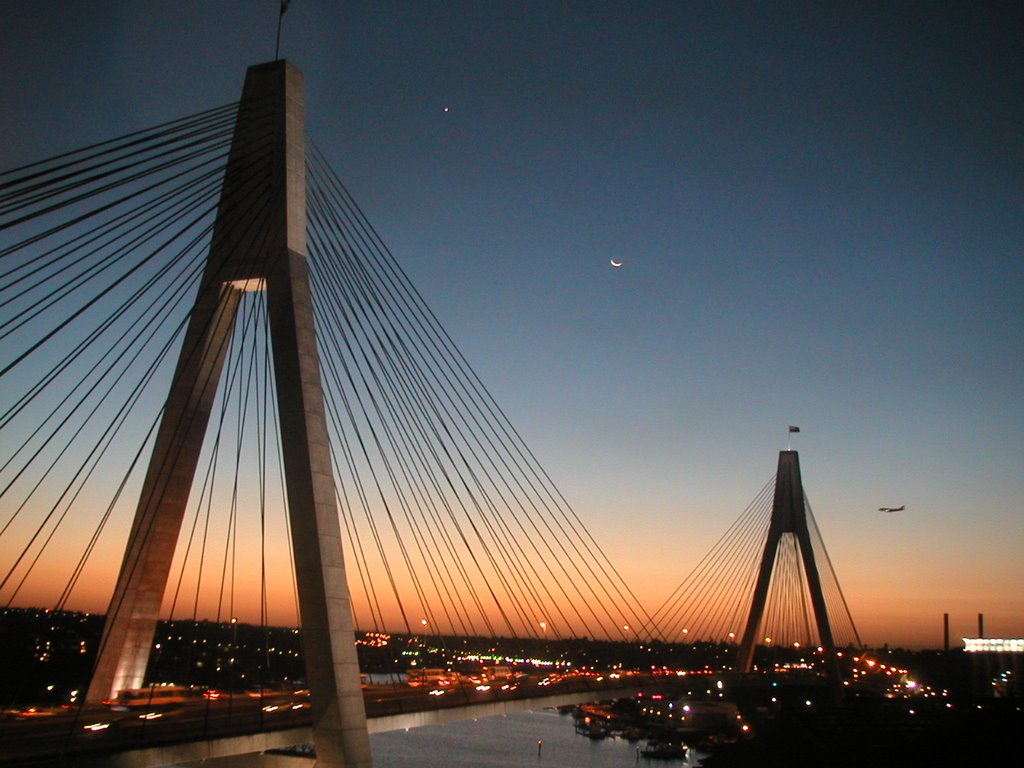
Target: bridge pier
(259, 243)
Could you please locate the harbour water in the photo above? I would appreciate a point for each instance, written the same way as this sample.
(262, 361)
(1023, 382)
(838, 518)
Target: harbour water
(508, 742)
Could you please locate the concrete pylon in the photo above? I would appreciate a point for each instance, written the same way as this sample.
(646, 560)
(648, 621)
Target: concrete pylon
(789, 515)
(259, 243)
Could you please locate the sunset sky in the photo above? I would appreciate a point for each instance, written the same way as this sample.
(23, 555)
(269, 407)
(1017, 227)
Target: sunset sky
(818, 209)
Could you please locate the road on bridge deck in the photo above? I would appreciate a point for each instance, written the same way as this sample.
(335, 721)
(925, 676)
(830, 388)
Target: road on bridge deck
(35, 736)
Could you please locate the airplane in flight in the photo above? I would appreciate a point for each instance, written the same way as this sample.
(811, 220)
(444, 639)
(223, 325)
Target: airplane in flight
(900, 508)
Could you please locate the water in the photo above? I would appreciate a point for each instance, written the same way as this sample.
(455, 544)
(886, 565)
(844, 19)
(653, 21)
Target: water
(507, 742)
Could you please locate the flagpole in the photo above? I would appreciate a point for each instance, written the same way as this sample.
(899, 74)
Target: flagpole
(280, 17)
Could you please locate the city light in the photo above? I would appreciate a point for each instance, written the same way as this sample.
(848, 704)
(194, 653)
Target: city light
(993, 645)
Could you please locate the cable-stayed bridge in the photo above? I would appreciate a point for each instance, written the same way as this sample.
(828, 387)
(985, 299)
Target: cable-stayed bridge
(224, 401)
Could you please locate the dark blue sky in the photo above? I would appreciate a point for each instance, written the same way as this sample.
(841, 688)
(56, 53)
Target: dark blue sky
(818, 207)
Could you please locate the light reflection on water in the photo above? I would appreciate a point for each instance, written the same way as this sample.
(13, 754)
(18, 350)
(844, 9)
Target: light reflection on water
(506, 742)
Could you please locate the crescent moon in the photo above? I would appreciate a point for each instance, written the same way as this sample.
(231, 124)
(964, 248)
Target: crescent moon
(615, 263)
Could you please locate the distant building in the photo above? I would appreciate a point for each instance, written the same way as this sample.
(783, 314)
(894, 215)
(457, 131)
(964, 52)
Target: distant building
(995, 665)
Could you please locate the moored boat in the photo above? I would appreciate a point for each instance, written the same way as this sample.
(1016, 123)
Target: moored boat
(663, 750)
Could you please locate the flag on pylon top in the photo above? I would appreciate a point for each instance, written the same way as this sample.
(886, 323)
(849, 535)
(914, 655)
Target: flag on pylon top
(284, 6)
(793, 429)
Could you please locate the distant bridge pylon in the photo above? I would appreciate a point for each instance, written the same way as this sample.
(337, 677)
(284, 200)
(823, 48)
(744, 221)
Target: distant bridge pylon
(789, 516)
(768, 584)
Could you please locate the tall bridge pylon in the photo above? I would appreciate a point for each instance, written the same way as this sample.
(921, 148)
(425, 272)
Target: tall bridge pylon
(789, 516)
(259, 243)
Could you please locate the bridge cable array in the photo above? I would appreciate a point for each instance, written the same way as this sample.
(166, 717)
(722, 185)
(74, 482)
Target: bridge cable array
(712, 603)
(92, 311)
(479, 524)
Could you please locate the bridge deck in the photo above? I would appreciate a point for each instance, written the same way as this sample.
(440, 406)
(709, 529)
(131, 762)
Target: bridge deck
(241, 725)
